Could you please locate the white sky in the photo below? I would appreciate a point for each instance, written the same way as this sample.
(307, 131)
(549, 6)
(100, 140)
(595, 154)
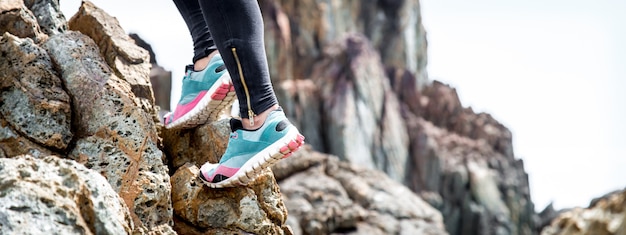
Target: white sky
(554, 72)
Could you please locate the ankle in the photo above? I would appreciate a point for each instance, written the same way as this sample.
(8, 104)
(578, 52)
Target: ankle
(201, 64)
(259, 119)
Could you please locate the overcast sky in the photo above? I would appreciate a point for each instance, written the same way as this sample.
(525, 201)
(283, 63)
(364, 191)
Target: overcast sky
(553, 72)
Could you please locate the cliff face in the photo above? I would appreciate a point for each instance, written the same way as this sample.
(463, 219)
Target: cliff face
(351, 74)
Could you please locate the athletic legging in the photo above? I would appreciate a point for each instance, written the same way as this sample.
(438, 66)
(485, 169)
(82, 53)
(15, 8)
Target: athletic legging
(235, 29)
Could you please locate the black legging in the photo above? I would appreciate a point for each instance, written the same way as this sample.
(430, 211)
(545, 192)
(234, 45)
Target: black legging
(235, 29)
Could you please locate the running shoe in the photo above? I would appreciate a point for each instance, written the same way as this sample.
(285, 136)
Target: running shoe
(249, 152)
(205, 94)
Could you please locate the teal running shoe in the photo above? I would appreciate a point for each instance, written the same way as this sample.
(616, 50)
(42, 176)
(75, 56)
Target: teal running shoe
(205, 94)
(249, 152)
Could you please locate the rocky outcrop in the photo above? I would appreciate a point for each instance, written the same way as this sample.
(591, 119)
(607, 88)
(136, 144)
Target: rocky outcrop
(466, 160)
(60, 96)
(362, 116)
(52, 195)
(328, 196)
(113, 135)
(360, 75)
(605, 215)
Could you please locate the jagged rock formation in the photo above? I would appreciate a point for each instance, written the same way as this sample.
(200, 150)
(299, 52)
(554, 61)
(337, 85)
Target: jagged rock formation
(605, 215)
(360, 75)
(468, 160)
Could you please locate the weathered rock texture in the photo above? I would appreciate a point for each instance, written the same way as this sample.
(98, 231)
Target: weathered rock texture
(49, 16)
(35, 109)
(128, 61)
(60, 96)
(604, 216)
(256, 208)
(52, 195)
(328, 196)
(17, 19)
(114, 135)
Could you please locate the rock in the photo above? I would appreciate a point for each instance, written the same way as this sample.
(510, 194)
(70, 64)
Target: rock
(145, 45)
(298, 33)
(114, 135)
(440, 104)
(361, 115)
(606, 215)
(327, 196)
(50, 195)
(160, 78)
(32, 100)
(49, 16)
(128, 61)
(256, 208)
(546, 216)
(481, 190)
(203, 144)
(16, 19)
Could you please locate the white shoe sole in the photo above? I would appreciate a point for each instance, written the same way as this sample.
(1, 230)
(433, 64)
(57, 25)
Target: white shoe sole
(207, 109)
(264, 159)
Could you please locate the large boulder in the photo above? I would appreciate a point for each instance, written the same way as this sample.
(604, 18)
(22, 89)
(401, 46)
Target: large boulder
(114, 135)
(50, 195)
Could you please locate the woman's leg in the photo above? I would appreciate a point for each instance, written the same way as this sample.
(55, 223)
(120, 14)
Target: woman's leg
(207, 89)
(237, 29)
(203, 44)
(264, 135)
